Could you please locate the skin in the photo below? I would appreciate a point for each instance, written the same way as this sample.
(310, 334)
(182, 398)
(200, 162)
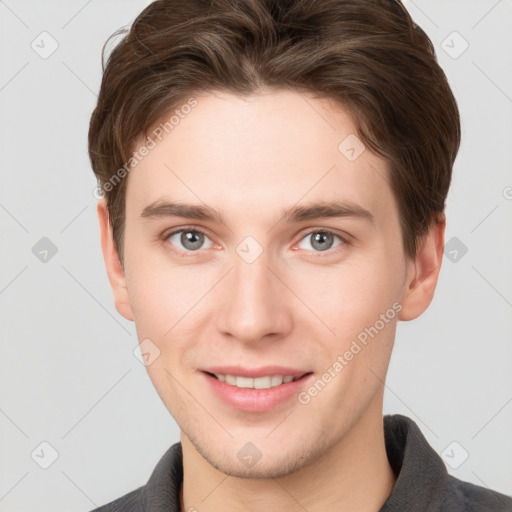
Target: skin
(295, 305)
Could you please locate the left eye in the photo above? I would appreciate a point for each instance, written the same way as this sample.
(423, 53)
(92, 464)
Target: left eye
(322, 240)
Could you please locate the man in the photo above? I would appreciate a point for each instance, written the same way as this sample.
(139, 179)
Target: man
(275, 175)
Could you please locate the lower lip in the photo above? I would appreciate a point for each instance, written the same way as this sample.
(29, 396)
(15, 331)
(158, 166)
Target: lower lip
(256, 400)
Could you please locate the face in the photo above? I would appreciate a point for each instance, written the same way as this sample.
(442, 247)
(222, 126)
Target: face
(263, 282)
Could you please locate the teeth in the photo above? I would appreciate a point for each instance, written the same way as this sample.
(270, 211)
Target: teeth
(230, 379)
(257, 383)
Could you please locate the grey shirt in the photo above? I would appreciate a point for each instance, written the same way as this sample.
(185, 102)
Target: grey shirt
(423, 483)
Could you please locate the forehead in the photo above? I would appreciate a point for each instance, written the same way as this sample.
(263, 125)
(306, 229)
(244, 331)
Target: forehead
(260, 153)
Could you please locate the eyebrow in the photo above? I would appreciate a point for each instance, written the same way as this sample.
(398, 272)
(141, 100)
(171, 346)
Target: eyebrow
(294, 214)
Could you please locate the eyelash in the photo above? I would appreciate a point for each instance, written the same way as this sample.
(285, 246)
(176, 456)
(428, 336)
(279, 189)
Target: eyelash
(192, 254)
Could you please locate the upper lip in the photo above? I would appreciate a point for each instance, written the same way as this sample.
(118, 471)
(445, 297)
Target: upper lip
(262, 371)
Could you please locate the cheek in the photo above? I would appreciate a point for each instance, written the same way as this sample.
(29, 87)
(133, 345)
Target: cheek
(350, 296)
(161, 293)
(170, 306)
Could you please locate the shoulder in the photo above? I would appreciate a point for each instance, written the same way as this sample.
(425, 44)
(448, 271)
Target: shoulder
(131, 502)
(474, 498)
(423, 482)
(161, 491)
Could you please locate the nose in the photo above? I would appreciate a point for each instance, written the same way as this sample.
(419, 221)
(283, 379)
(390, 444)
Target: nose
(254, 301)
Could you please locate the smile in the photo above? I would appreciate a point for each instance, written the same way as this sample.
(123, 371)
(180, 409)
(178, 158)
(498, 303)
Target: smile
(255, 383)
(256, 390)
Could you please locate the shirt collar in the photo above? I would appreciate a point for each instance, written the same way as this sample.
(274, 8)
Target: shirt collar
(421, 473)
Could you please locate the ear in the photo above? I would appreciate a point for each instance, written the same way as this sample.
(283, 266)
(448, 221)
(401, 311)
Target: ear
(423, 272)
(114, 268)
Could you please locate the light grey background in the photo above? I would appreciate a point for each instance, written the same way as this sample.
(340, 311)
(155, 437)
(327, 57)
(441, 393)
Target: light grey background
(68, 373)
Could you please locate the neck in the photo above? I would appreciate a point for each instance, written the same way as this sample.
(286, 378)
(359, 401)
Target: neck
(353, 475)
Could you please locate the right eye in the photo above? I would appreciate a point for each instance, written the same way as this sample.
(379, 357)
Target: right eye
(191, 240)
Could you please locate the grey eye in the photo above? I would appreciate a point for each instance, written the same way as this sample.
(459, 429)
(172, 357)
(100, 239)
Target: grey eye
(322, 240)
(189, 239)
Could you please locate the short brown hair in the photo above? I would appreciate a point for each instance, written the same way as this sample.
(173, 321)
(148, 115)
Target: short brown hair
(367, 55)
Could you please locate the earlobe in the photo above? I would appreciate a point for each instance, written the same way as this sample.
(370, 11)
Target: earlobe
(115, 270)
(423, 273)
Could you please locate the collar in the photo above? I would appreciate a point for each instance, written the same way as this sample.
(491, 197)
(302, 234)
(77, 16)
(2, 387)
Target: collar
(421, 473)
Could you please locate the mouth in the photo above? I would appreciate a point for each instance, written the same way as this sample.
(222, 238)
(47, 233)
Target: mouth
(263, 382)
(256, 391)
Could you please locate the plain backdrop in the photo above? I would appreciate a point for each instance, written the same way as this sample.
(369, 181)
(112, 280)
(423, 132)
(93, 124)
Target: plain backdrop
(75, 398)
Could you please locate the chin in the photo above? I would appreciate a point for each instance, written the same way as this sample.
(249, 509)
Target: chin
(270, 462)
